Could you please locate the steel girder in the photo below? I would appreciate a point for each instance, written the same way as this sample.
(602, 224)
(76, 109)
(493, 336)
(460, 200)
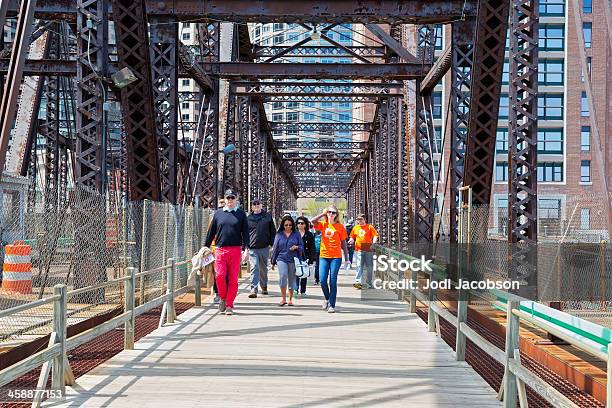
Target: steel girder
(302, 98)
(340, 89)
(315, 70)
(324, 166)
(522, 143)
(319, 51)
(320, 144)
(164, 77)
(424, 170)
(394, 196)
(320, 194)
(137, 103)
(461, 82)
(319, 12)
(51, 126)
(383, 177)
(489, 49)
(92, 57)
(319, 127)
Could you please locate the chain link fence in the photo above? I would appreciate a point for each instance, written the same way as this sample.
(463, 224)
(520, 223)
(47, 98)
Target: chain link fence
(86, 241)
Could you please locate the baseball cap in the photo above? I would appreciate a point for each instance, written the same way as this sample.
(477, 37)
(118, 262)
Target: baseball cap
(255, 201)
(230, 192)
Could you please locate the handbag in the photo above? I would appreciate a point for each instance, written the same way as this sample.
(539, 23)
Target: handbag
(302, 270)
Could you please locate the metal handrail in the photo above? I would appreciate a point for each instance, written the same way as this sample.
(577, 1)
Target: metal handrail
(59, 344)
(515, 374)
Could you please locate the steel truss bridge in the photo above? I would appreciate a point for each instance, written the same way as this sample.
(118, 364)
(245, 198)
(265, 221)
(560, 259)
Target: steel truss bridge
(151, 159)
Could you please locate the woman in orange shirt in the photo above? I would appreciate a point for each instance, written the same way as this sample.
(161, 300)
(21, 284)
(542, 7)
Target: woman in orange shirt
(333, 244)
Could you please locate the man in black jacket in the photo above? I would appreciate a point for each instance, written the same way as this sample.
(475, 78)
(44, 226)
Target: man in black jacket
(261, 234)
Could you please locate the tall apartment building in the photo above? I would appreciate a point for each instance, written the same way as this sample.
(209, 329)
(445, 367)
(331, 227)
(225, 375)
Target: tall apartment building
(570, 194)
(281, 34)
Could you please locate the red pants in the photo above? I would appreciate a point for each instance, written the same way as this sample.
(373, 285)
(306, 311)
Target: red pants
(227, 264)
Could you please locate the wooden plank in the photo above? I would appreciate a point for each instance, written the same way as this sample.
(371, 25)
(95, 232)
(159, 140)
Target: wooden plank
(522, 393)
(44, 374)
(369, 353)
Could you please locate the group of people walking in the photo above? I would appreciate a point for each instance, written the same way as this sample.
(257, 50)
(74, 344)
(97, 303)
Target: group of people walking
(322, 242)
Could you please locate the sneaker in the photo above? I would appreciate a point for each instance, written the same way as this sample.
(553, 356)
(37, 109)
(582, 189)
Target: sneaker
(253, 295)
(222, 306)
(358, 286)
(316, 283)
(303, 295)
(217, 300)
(325, 305)
(229, 311)
(264, 291)
(331, 310)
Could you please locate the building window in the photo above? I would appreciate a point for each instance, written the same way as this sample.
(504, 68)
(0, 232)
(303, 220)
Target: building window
(257, 31)
(585, 171)
(437, 146)
(552, 8)
(589, 59)
(310, 104)
(550, 106)
(309, 116)
(277, 117)
(504, 108)
(185, 82)
(292, 116)
(345, 37)
(550, 172)
(292, 105)
(439, 36)
(585, 138)
(550, 72)
(277, 105)
(185, 117)
(584, 104)
(587, 32)
(344, 105)
(437, 105)
(587, 6)
(549, 208)
(327, 116)
(185, 105)
(501, 171)
(279, 26)
(550, 141)
(327, 104)
(279, 39)
(585, 218)
(552, 37)
(506, 73)
(186, 25)
(501, 141)
(344, 117)
(186, 36)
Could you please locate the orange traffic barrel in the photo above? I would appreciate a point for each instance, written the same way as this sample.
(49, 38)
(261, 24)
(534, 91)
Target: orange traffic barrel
(17, 268)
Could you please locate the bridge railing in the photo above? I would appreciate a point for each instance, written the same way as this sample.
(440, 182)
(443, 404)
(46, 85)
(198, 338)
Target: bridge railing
(54, 359)
(589, 337)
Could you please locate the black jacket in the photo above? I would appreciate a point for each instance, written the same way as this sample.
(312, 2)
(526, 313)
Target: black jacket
(228, 229)
(309, 247)
(261, 230)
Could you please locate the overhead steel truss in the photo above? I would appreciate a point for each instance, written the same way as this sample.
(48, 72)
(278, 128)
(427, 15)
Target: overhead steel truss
(319, 51)
(320, 127)
(308, 145)
(276, 89)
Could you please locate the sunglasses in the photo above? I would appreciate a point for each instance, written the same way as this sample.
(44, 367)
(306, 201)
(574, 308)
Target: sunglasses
(288, 225)
(230, 197)
(332, 212)
(300, 223)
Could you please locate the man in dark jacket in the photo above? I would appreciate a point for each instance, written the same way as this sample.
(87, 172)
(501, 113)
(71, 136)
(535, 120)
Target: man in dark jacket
(261, 234)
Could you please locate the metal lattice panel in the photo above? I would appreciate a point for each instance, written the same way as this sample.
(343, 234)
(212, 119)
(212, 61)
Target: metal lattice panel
(318, 88)
(137, 100)
(319, 127)
(164, 64)
(488, 57)
(461, 82)
(523, 122)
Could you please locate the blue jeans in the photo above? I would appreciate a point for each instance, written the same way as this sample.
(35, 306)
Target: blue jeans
(258, 259)
(365, 263)
(329, 267)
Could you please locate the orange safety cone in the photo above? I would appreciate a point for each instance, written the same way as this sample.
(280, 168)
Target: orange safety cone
(17, 268)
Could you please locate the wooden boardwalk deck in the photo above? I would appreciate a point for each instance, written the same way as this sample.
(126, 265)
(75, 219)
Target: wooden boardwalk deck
(370, 353)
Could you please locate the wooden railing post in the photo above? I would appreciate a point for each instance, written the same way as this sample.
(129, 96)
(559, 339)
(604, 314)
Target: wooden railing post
(413, 299)
(198, 290)
(609, 377)
(462, 311)
(170, 313)
(130, 294)
(431, 296)
(59, 327)
(512, 343)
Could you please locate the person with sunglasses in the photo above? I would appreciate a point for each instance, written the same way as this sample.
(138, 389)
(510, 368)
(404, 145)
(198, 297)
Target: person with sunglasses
(229, 230)
(363, 235)
(333, 245)
(287, 245)
(309, 252)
